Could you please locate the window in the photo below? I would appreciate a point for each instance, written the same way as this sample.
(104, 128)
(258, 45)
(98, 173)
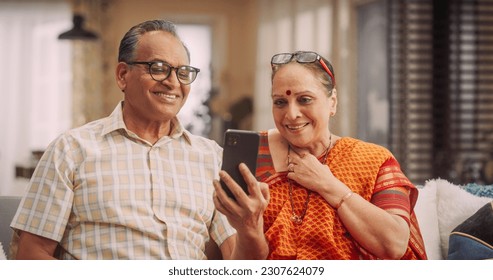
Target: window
(373, 109)
(36, 82)
(441, 60)
(195, 115)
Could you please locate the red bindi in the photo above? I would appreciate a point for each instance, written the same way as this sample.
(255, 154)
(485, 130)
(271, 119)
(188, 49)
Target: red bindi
(288, 92)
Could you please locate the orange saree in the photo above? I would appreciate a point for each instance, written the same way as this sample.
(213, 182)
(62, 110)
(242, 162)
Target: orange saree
(365, 168)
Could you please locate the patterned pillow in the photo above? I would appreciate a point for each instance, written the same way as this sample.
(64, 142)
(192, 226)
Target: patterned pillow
(473, 239)
(479, 190)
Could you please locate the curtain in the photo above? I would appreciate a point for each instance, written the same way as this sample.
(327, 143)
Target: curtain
(36, 82)
(287, 26)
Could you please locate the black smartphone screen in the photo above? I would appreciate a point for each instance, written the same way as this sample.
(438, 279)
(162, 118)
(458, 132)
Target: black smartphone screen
(239, 146)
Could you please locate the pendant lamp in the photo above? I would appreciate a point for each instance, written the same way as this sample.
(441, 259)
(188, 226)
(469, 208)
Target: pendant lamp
(78, 32)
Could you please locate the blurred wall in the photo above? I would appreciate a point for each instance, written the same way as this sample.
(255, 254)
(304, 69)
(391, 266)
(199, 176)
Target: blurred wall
(238, 46)
(233, 25)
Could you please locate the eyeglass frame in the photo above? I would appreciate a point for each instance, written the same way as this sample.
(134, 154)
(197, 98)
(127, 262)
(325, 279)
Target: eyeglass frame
(296, 55)
(171, 68)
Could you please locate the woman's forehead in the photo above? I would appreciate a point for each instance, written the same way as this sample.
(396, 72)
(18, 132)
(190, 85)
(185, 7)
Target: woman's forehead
(295, 78)
(293, 74)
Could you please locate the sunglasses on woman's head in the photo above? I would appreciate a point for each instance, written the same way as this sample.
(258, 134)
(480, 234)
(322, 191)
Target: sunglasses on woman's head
(301, 57)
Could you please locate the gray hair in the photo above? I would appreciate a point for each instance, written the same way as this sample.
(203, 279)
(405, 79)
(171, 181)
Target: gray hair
(129, 42)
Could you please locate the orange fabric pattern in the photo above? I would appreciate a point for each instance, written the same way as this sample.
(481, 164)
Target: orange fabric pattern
(366, 169)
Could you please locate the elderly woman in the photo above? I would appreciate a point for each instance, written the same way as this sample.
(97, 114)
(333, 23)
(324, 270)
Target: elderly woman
(331, 197)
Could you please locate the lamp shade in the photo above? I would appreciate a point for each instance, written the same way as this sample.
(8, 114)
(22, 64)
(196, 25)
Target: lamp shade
(78, 32)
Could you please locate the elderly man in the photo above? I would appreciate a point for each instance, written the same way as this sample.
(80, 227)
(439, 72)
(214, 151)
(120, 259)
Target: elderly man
(137, 185)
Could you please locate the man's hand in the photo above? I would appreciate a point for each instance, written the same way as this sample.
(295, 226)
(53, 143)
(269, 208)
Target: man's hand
(245, 214)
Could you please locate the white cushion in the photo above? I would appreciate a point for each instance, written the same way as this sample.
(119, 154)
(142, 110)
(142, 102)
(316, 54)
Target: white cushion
(454, 206)
(426, 213)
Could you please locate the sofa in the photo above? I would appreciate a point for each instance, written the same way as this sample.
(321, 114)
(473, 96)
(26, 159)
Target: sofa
(8, 207)
(440, 208)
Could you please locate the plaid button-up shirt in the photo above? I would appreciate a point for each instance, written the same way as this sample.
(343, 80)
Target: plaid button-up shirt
(105, 193)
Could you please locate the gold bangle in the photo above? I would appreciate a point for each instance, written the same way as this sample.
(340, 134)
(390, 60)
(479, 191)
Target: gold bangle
(344, 198)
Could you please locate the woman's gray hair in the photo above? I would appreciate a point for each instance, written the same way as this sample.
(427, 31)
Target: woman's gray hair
(129, 42)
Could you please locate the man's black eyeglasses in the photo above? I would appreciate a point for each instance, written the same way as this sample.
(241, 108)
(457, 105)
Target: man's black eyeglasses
(160, 71)
(302, 57)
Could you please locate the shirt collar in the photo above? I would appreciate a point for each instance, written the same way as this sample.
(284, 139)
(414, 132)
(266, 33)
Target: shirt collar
(115, 122)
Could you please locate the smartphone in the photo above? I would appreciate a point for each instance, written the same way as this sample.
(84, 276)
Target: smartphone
(239, 146)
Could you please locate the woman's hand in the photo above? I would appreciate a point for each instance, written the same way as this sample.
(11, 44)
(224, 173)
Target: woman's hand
(306, 170)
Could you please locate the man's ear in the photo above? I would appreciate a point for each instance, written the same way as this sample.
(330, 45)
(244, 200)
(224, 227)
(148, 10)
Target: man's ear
(121, 75)
(333, 103)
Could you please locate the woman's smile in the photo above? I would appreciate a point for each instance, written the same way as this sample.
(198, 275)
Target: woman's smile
(296, 127)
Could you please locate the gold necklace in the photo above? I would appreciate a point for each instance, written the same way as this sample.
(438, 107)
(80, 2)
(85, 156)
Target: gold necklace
(298, 219)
